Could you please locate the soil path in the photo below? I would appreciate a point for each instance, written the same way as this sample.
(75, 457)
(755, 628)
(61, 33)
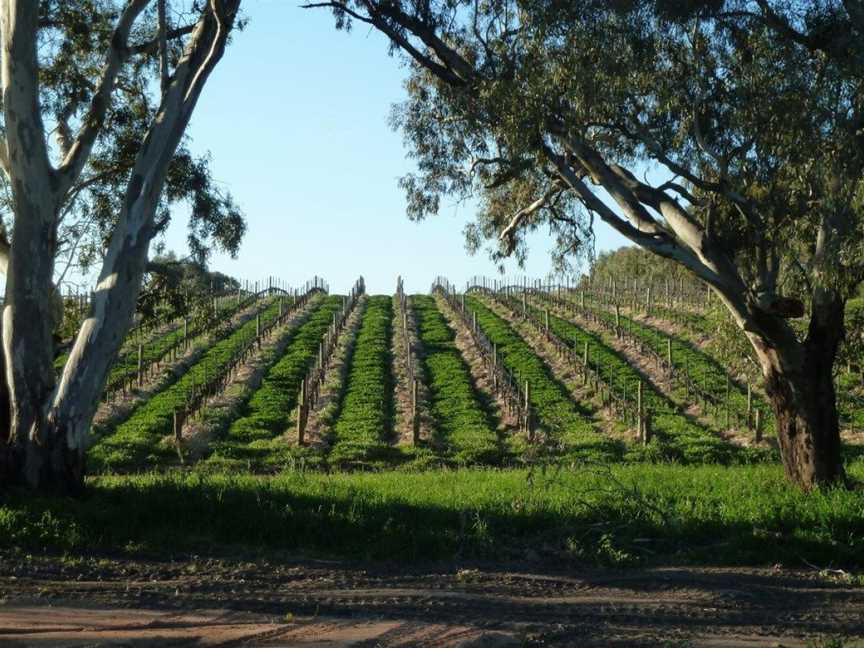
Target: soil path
(65, 602)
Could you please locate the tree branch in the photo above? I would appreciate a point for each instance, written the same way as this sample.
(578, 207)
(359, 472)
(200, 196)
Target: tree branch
(508, 234)
(75, 159)
(163, 45)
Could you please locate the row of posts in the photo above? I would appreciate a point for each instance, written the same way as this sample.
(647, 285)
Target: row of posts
(199, 394)
(665, 361)
(310, 385)
(410, 373)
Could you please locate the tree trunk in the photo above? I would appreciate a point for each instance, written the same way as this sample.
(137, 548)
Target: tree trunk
(808, 428)
(50, 423)
(800, 384)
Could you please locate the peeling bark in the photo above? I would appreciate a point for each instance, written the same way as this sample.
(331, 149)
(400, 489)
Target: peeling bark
(50, 426)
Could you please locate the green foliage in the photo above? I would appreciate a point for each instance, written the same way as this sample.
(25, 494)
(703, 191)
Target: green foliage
(567, 424)
(634, 262)
(462, 424)
(137, 440)
(364, 427)
(707, 514)
(270, 410)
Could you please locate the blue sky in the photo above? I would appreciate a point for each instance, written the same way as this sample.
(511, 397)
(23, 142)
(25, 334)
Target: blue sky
(295, 116)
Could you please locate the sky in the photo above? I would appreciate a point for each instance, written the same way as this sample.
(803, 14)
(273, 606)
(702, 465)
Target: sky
(295, 118)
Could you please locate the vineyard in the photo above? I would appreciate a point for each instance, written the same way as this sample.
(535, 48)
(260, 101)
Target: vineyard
(498, 374)
(510, 421)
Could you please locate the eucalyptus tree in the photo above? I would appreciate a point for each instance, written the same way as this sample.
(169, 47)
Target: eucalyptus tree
(97, 95)
(750, 112)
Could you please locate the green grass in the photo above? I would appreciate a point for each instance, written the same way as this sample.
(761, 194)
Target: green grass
(624, 514)
(462, 424)
(568, 424)
(676, 437)
(363, 430)
(256, 434)
(138, 441)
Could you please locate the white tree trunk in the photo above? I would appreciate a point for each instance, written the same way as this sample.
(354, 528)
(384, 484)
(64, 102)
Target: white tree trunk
(50, 426)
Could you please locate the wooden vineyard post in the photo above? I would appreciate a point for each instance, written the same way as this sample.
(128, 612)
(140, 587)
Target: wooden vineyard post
(474, 322)
(639, 413)
(301, 410)
(758, 425)
(178, 434)
(617, 321)
(185, 333)
(749, 405)
(415, 420)
(463, 302)
(687, 375)
(585, 364)
(140, 364)
(726, 402)
(528, 427)
(524, 303)
(669, 354)
(547, 321)
(495, 368)
(582, 299)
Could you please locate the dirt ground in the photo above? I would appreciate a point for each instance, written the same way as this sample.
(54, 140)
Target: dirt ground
(204, 602)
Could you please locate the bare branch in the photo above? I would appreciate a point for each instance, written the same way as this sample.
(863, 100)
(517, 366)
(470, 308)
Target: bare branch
(151, 46)
(508, 234)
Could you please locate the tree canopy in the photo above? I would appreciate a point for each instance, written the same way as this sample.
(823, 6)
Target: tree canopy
(725, 135)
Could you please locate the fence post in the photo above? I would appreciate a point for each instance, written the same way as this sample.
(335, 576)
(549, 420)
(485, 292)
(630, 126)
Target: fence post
(301, 408)
(749, 404)
(140, 364)
(758, 425)
(415, 422)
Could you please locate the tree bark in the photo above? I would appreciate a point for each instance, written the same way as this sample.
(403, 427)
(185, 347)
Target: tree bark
(800, 385)
(50, 426)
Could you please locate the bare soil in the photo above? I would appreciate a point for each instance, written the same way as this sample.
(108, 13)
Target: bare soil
(402, 394)
(48, 601)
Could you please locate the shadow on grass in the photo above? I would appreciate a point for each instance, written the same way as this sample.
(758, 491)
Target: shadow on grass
(486, 514)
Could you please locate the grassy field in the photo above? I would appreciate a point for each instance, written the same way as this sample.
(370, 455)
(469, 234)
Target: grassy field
(589, 514)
